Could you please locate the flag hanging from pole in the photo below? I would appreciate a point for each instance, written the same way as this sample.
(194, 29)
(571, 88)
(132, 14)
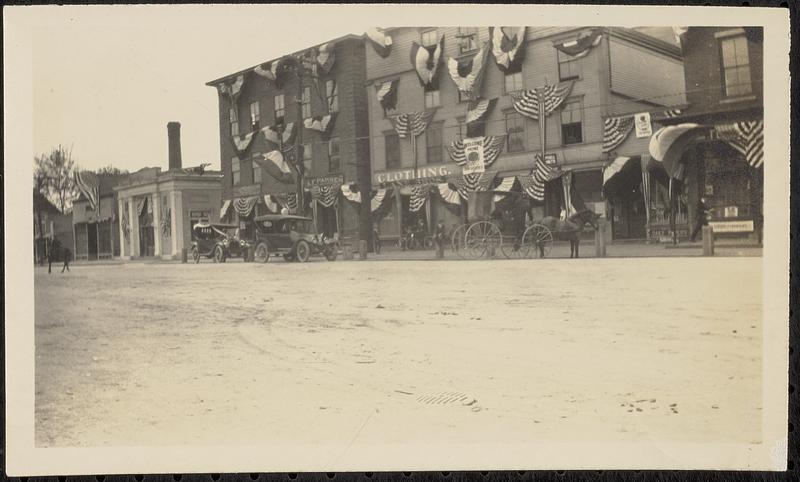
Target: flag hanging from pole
(425, 61)
(387, 94)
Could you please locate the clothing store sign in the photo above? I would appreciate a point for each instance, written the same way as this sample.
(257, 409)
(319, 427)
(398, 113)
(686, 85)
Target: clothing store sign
(643, 126)
(422, 175)
(473, 152)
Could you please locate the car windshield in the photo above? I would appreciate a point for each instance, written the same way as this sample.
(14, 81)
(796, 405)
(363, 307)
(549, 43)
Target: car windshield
(299, 225)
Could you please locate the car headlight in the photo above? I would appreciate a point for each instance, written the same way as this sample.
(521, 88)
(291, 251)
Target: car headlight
(243, 243)
(224, 242)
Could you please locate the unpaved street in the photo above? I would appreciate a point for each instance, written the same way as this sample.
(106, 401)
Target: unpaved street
(590, 350)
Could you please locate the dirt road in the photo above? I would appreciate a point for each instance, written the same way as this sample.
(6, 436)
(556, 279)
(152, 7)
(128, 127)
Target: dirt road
(553, 350)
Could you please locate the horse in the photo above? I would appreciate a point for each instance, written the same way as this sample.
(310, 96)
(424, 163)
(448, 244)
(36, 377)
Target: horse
(570, 228)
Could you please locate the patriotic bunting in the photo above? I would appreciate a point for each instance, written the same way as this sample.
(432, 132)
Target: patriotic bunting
(89, 185)
(166, 221)
(533, 184)
(225, 207)
(287, 201)
(526, 102)
(270, 204)
(324, 195)
(141, 203)
(349, 194)
(615, 131)
(125, 223)
(505, 186)
(381, 42)
(242, 143)
(492, 147)
(477, 111)
(412, 124)
(746, 137)
(274, 164)
(387, 94)
(468, 74)
(582, 45)
(672, 113)
(325, 57)
(425, 61)
(275, 136)
(419, 194)
(322, 124)
(233, 89)
(449, 195)
(355, 196)
(377, 200)
(269, 70)
(468, 183)
(275, 71)
(508, 51)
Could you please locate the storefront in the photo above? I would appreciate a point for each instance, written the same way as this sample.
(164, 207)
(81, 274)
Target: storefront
(95, 222)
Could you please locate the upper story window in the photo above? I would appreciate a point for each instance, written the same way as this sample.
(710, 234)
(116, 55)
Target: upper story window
(306, 102)
(430, 38)
(432, 99)
(334, 161)
(236, 173)
(256, 168)
(280, 108)
(332, 94)
(736, 66)
(572, 122)
(234, 122)
(513, 82)
(568, 66)
(392, 150)
(308, 157)
(255, 115)
(515, 129)
(434, 143)
(467, 39)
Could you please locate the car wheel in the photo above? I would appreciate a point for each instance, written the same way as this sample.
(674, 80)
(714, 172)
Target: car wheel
(302, 251)
(331, 253)
(219, 254)
(195, 255)
(261, 254)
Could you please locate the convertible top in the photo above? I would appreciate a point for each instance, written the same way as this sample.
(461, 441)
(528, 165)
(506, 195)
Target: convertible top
(215, 225)
(278, 217)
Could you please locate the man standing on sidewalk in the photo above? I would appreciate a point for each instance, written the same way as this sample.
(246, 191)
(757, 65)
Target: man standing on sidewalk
(701, 218)
(67, 254)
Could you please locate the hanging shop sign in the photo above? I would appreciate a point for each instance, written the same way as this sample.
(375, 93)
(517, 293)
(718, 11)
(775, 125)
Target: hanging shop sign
(643, 126)
(473, 152)
(334, 180)
(550, 159)
(732, 226)
(422, 175)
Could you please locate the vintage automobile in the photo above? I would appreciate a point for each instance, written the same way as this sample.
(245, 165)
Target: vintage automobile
(218, 242)
(294, 237)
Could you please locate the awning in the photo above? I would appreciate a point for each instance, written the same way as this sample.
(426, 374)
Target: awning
(225, 206)
(669, 144)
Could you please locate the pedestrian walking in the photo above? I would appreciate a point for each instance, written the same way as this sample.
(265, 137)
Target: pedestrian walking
(67, 254)
(701, 218)
(438, 238)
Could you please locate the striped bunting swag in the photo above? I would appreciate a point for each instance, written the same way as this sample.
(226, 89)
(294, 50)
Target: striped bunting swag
(322, 124)
(387, 94)
(505, 186)
(449, 195)
(233, 89)
(672, 113)
(615, 131)
(425, 61)
(582, 45)
(275, 71)
(468, 183)
(325, 57)
(89, 185)
(324, 195)
(268, 71)
(746, 137)
(272, 134)
(476, 113)
(414, 123)
(507, 50)
(526, 102)
(242, 143)
(467, 74)
(419, 194)
(381, 42)
(492, 146)
(270, 203)
(355, 196)
(244, 205)
(288, 201)
(533, 184)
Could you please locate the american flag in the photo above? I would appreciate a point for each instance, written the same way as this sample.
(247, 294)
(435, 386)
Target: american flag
(414, 123)
(746, 137)
(615, 131)
(526, 102)
(89, 185)
(533, 184)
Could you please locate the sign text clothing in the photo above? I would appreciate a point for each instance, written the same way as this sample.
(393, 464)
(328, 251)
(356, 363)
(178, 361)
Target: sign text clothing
(421, 175)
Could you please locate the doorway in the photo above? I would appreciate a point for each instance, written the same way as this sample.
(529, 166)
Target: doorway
(92, 240)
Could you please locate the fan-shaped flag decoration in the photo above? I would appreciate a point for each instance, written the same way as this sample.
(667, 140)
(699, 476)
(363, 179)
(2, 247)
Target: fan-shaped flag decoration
(468, 183)
(326, 57)
(412, 124)
(508, 49)
(477, 111)
(505, 186)
(89, 185)
(746, 137)
(492, 146)
(419, 194)
(468, 73)
(270, 203)
(526, 102)
(387, 94)
(322, 124)
(288, 201)
(242, 143)
(276, 136)
(449, 195)
(381, 42)
(615, 131)
(582, 45)
(244, 205)
(324, 195)
(533, 184)
(425, 61)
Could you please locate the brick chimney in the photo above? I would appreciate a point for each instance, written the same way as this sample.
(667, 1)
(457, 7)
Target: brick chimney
(174, 135)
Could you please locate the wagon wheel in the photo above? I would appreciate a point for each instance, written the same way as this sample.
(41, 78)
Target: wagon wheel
(539, 239)
(483, 239)
(457, 242)
(514, 247)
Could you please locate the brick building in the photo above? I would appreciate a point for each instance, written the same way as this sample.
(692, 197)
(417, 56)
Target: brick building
(300, 116)
(588, 75)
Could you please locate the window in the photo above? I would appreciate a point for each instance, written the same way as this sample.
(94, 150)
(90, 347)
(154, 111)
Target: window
(430, 38)
(433, 142)
(392, 147)
(306, 102)
(568, 66)
(334, 163)
(308, 156)
(467, 39)
(256, 168)
(280, 109)
(432, 99)
(736, 66)
(255, 115)
(462, 127)
(234, 122)
(515, 129)
(332, 94)
(513, 82)
(235, 171)
(572, 122)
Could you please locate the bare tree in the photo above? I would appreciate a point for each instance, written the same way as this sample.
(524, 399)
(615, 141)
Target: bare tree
(41, 188)
(110, 171)
(55, 171)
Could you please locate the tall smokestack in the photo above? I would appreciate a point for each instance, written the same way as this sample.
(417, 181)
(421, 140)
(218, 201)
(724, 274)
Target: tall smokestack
(174, 134)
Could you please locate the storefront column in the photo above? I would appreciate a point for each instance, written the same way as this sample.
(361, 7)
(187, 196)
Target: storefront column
(134, 223)
(428, 212)
(156, 199)
(398, 197)
(180, 224)
(123, 248)
(175, 222)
